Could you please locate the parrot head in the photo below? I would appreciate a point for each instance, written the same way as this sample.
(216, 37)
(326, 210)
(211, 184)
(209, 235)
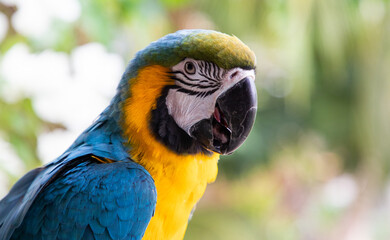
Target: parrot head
(193, 91)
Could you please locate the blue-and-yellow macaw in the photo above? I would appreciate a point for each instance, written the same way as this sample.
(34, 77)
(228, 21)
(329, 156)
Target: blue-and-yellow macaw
(140, 168)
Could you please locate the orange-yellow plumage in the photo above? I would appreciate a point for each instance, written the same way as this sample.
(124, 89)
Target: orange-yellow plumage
(180, 179)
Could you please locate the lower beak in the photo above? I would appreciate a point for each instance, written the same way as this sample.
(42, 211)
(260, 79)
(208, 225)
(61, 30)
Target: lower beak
(233, 118)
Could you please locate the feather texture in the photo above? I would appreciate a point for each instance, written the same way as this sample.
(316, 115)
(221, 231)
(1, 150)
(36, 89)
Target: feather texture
(103, 201)
(78, 197)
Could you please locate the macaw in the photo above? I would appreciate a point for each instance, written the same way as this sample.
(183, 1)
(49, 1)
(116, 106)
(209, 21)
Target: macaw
(138, 171)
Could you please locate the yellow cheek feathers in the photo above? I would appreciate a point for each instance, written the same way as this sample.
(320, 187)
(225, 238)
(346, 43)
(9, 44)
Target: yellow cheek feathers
(180, 179)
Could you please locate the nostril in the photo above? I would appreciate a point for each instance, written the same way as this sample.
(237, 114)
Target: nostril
(234, 74)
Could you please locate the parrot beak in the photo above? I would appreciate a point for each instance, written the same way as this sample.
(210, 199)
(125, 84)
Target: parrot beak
(233, 118)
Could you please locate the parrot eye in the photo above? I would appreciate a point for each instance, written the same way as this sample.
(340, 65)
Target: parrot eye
(190, 68)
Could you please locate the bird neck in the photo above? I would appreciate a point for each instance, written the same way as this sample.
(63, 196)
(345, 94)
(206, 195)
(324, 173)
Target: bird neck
(180, 178)
(144, 147)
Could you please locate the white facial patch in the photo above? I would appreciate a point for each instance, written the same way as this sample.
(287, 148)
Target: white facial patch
(198, 84)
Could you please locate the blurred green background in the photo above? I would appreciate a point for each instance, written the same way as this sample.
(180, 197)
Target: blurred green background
(316, 165)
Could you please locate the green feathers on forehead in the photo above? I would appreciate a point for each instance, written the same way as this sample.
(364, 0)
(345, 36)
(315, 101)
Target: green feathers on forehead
(224, 50)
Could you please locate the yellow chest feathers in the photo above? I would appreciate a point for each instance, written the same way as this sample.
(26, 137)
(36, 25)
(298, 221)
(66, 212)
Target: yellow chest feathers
(180, 180)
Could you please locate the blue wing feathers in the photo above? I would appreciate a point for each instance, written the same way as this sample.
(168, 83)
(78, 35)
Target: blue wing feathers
(74, 197)
(72, 206)
(88, 234)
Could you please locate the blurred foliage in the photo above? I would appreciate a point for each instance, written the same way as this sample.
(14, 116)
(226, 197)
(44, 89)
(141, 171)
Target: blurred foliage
(324, 94)
(19, 125)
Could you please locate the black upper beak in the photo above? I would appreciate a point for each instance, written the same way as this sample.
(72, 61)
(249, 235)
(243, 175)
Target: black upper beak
(232, 120)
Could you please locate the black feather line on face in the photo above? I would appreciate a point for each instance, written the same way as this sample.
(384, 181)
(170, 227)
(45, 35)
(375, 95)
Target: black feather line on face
(211, 85)
(209, 78)
(195, 83)
(195, 93)
(195, 79)
(165, 129)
